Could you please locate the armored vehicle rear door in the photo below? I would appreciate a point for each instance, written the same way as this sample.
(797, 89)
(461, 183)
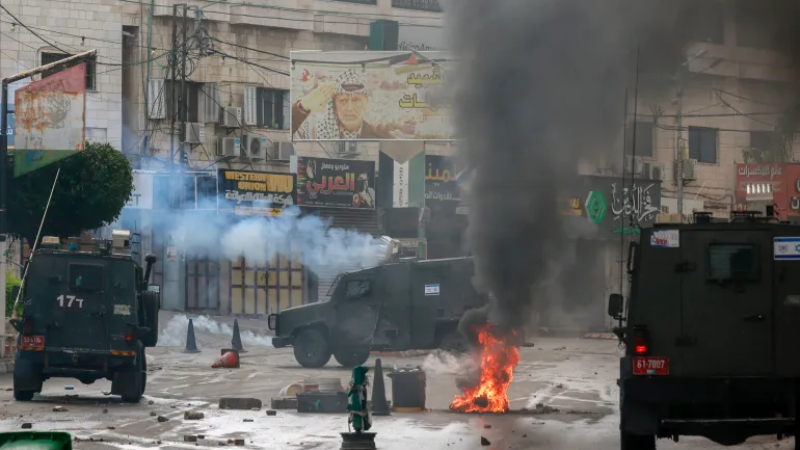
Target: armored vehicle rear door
(356, 298)
(726, 302)
(786, 248)
(68, 297)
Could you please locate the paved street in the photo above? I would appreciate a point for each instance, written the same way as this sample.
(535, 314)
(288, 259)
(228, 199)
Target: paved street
(568, 383)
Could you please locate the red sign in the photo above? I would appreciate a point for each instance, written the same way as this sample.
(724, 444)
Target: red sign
(791, 196)
(650, 366)
(773, 174)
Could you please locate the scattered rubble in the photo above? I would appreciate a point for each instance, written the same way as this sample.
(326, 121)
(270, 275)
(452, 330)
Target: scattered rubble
(153, 413)
(151, 402)
(162, 419)
(190, 438)
(238, 442)
(105, 411)
(59, 409)
(487, 426)
(27, 426)
(193, 415)
(485, 442)
(239, 403)
(247, 420)
(284, 403)
(272, 412)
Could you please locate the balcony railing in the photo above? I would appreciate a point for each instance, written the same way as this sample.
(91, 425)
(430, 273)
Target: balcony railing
(362, 2)
(419, 5)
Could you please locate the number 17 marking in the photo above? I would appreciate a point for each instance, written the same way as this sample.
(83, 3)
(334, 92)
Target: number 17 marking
(69, 300)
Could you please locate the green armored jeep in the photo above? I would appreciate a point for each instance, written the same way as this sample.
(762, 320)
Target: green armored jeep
(87, 315)
(392, 307)
(711, 332)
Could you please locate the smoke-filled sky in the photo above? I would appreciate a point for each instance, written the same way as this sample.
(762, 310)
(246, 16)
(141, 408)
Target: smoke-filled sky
(541, 85)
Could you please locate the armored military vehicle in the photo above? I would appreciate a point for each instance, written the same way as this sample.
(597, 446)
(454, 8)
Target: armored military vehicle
(711, 332)
(392, 307)
(88, 314)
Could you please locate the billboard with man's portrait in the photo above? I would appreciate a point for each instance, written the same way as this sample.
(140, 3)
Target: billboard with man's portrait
(373, 96)
(335, 183)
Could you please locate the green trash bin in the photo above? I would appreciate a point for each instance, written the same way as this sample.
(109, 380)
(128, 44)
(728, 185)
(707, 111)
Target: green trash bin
(36, 440)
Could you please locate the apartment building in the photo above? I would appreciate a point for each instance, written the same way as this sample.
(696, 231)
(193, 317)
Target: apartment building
(735, 88)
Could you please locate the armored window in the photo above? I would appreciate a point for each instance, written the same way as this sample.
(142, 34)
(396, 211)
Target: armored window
(733, 262)
(357, 288)
(85, 278)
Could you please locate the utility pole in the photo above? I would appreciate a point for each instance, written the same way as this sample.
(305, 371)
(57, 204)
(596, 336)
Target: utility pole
(679, 142)
(182, 106)
(173, 61)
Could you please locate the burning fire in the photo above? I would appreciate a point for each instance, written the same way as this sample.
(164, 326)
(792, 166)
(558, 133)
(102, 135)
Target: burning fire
(498, 359)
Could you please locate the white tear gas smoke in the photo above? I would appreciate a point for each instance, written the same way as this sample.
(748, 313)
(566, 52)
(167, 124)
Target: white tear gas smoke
(308, 239)
(208, 332)
(539, 86)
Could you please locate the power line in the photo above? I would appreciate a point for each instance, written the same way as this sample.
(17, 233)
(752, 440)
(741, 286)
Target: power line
(248, 48)
(32, 32)
(250, 63)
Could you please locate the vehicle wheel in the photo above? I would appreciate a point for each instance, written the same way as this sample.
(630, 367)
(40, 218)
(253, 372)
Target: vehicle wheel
(27, 380)
(23, 396)
(129, 381)
(311, 349)
(350, 357)
(637, 442)
(454, 342)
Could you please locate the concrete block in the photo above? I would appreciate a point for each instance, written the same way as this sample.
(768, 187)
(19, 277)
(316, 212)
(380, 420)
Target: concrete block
(239, 403)
(284, 403)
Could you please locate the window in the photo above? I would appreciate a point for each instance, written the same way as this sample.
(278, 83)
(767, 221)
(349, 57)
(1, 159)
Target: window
(357, 288)
(703, 144)
(273, 108)
(644, 138)
(91, 67)
(192, 97)
(190, 191)
(733, 262)
(85, 278)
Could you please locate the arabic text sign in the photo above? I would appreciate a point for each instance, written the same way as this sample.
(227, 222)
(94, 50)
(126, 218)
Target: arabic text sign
(368, 96)
(754, 174)
(247, 193)
(335, 183)
(50, 119)
(441, 185)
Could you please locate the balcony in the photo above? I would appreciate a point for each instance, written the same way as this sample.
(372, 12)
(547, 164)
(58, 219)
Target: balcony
(362, 2)
(419, 5)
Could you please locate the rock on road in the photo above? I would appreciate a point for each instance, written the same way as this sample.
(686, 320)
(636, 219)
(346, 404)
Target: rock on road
(572, 382)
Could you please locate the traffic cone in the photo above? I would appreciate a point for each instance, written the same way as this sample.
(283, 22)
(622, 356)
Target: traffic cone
(191, 345)
(380, 407)
(229, 360)
(236, 342)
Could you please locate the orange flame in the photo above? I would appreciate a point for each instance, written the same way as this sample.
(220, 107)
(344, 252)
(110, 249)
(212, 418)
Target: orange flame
(498, 359)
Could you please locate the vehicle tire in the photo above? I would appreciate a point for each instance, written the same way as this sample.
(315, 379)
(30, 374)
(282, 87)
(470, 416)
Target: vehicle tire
(454, 342)
(350, 357)
(130, 380)
(27, 380)
(630, 441)
(23, 396)
(311, 349)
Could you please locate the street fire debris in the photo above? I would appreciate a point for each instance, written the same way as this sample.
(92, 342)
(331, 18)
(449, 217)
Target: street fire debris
(498, 359)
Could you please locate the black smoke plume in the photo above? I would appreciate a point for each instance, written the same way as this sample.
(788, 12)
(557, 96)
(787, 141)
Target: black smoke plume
(540, 86)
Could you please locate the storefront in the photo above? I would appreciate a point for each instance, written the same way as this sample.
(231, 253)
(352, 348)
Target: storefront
(602, 215)
(342, 192)
(446, 229)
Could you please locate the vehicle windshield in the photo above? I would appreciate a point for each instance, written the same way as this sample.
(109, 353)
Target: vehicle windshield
(334, 284)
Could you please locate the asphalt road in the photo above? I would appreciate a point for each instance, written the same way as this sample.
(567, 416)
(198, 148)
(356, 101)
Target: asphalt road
(569, 383)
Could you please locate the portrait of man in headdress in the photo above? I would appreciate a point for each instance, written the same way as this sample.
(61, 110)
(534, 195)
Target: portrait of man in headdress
(335, 111)
(365, 195)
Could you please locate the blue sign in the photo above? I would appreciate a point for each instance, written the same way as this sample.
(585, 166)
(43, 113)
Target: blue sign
(786, 248)
(431, 289)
